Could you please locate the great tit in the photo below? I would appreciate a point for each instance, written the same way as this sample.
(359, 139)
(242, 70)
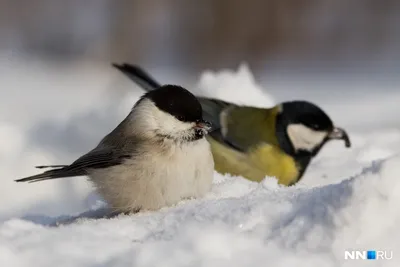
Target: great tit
(258, 142)
(155, 157)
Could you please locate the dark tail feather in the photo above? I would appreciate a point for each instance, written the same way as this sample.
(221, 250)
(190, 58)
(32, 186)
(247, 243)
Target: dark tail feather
(139, 76)
(50, 166)
(52, 174)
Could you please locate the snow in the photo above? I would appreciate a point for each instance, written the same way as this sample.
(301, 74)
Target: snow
(346, 201)
(230, 84)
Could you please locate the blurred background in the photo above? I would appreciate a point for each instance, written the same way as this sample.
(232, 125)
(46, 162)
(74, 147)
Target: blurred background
(197, 35)
(59, 95)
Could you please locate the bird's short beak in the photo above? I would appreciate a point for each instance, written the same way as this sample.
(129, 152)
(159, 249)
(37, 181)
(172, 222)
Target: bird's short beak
(203, 125)
(340, 134)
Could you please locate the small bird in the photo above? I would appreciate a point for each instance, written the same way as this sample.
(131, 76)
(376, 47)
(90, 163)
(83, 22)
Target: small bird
(157, 156)
(258, 142)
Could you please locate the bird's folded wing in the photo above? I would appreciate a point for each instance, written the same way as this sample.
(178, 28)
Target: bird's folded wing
(248, 127)
(212, 110)
(99, 158)
(95, 159)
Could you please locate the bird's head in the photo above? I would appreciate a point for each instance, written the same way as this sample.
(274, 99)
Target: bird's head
(170, 112)
(303, 128)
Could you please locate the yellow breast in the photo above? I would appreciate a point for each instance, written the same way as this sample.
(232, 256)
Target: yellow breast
(256, 164)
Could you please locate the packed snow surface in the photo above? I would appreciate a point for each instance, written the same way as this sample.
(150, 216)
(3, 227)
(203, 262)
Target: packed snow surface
(348, 199)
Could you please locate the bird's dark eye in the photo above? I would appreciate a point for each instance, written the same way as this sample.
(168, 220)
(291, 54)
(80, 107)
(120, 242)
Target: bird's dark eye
(315, 126)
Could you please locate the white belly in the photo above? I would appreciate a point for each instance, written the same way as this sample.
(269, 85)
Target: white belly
(158, 179)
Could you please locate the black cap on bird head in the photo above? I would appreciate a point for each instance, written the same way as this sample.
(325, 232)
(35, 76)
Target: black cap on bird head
(303, 128)
(177, 101)
(181, 104)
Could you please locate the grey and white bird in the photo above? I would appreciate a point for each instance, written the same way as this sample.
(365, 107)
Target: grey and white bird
(155, 157)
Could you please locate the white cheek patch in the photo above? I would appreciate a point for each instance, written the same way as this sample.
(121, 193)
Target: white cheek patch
(169, 124)
(305, 138)
(152, 119)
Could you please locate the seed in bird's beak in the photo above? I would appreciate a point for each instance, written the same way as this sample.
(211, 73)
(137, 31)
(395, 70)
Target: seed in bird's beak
(340, 134)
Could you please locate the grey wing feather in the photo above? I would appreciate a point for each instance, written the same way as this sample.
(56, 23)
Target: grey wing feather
(95, 159)
(112, 150)
(99, 158)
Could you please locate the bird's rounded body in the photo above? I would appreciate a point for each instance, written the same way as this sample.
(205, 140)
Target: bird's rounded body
(261, 159)
(162, 176)
(157, 156)
(264, 161)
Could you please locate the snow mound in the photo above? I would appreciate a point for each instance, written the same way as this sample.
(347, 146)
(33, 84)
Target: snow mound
(238, 87)
(239, 223)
